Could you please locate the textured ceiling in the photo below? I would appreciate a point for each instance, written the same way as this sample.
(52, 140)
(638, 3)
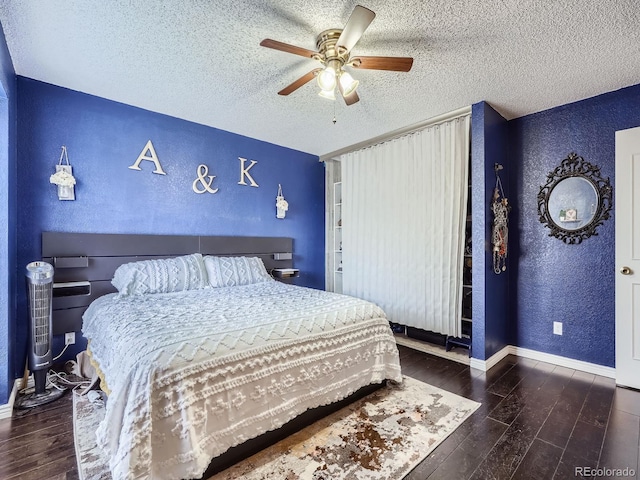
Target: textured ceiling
(201, 60)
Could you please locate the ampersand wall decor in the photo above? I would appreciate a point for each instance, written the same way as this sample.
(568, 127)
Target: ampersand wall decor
(204, 179)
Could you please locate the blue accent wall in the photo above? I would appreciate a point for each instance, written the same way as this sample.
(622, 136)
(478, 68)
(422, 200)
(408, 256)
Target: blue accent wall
(489, 142)
(104, 138)
(7, 217)
(572, 284)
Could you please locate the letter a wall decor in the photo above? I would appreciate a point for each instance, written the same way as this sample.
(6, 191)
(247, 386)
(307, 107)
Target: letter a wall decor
(152, 157)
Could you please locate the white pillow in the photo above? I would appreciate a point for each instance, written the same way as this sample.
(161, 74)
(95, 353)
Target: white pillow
(161, 275)
(234, 271)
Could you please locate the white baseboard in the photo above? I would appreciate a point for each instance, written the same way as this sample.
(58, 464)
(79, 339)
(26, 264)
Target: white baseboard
(6, 410)
(594, 368)
(485, 365)
(558, 360)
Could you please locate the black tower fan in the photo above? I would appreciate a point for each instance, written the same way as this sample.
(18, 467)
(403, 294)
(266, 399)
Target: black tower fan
(40, 296)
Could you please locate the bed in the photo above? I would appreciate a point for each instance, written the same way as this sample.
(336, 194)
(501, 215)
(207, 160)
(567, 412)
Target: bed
(194, 370)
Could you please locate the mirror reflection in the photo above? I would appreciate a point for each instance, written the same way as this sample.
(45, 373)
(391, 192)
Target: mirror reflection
(573, 203)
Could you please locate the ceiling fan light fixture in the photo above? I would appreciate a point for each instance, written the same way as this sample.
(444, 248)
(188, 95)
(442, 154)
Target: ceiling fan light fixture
(347, 83)
(327, 79)
(328, 94)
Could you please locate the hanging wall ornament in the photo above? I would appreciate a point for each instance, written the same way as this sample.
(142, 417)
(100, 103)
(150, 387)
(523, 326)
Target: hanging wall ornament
(281, 204)
(64, 178)
(500, 232)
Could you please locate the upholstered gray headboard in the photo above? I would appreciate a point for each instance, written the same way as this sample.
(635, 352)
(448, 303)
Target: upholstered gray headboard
(84, 263)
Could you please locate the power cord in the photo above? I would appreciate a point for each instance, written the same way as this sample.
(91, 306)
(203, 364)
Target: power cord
(62, 381)
(61, 353)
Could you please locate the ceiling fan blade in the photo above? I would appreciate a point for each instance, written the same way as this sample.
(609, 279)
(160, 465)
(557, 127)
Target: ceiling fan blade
(300, 82)
(358, 22)
(396, 64)
(285, 47)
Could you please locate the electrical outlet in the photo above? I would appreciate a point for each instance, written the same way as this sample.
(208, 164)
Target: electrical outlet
(70, 338)
(557, 328)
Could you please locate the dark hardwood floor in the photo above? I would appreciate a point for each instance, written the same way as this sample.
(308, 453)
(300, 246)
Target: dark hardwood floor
(537, 421)
(37, 444)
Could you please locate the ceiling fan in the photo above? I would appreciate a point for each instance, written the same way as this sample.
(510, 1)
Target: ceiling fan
(334, 49)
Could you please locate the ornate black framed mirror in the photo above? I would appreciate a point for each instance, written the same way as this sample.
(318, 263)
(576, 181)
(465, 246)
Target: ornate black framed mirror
(575, 200)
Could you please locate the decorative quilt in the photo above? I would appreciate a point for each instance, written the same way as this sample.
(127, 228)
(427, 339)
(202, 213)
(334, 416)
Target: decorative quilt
(194, 373)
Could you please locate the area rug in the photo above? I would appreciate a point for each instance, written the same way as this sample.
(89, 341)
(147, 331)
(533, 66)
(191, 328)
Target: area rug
(380, 437)
(87, 415)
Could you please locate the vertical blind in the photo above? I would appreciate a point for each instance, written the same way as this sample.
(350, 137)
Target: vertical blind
(403, 224)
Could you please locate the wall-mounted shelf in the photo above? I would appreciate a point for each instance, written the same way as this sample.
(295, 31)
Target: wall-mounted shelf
(285, 272)
(69, 289)
(337, 237)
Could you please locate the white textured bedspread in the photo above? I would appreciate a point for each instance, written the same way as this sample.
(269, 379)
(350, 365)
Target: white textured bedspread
(194, 373)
